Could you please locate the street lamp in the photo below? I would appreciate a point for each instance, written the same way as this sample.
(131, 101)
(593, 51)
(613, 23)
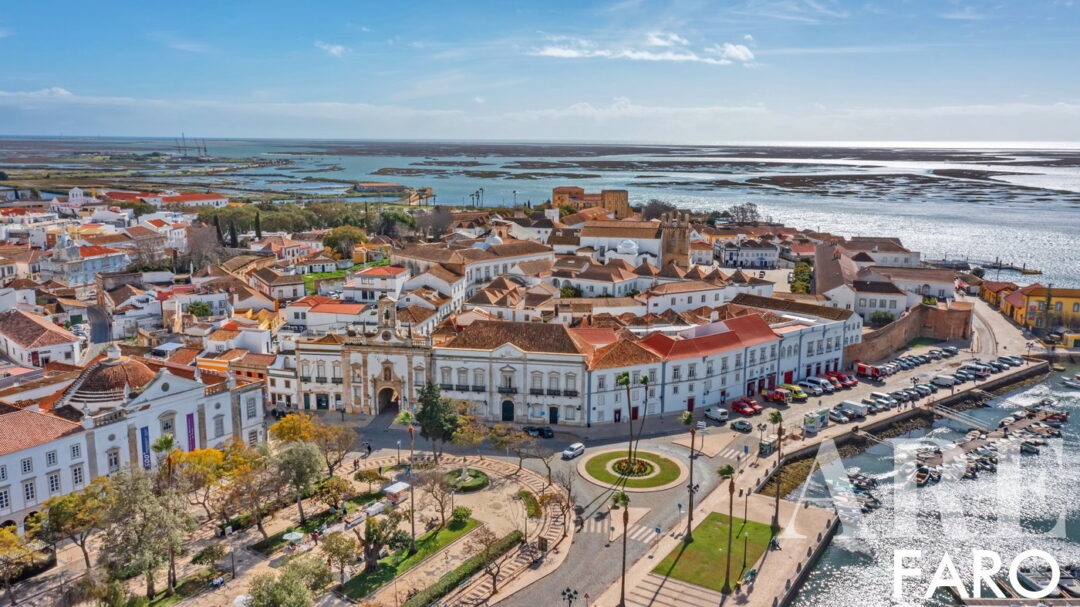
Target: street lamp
(746, 538)
(399, 453)
(569, 595)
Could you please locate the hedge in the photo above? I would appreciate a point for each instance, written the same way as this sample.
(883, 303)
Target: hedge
(327, 517)
(476, 480)
(532, 507)
(464, 571)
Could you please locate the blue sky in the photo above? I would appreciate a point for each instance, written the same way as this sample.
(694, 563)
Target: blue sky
(674, 71)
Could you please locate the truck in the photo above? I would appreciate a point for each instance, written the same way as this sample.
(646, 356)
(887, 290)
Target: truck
(778, 395)
(859, 409)
(814, 421)
(869, 370)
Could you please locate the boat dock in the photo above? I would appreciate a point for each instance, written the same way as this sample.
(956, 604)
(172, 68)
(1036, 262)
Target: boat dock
(988, 436)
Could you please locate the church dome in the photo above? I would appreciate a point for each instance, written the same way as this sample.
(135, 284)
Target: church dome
(627, 247)
(115, 374)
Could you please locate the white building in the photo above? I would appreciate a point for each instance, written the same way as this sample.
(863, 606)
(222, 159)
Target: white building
(372, 284)
(32, 339)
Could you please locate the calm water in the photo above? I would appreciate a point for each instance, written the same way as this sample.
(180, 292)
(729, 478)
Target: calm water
(954, 218)
(859, 572)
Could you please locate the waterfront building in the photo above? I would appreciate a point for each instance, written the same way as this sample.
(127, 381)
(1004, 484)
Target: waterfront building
(1040, 307)
(616, 202)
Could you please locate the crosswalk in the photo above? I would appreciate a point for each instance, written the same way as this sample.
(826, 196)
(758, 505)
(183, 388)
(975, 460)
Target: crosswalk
(637, 533)
(733, 453)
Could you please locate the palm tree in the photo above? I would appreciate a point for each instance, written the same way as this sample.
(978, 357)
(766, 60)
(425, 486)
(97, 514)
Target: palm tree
(406, 418)
(641, 426)
(726, 472)
(622, 500)
(165, 444)
(777, 419)
(623, 379)
(687, 419)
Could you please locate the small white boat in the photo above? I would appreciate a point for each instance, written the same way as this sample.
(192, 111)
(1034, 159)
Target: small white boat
(1072, 382)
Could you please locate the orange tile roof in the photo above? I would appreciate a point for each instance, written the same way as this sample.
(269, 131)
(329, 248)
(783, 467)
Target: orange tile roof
(94, 251)
(24, 429)
(383, 271)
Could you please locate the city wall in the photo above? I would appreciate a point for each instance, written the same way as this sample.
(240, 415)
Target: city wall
(922, 320)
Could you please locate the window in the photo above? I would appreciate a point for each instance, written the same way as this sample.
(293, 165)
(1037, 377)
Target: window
(50, 458)
(445, 374)
(54, 482)
(536, 381)
(601, 382)
(862, 301)
(478, 377)
(462, 377)
(114, 460)
(676, 373)
(553, 381)
(892, 304)
(219, 426)
(29, 491)
(250, 407)
(1076, 307)
(3, 473)
(652, 376)
(691, 370)
(419, 377)
(5, 499)
(571, 381)
(27, 466)
(167, 426)
(253, 438)
(77, 476)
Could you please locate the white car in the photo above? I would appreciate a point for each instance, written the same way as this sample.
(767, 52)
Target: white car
(573, 451)
(717, 414)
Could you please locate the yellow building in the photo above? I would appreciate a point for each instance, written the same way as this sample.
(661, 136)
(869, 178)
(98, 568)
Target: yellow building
(616, 202)
(1028, 306)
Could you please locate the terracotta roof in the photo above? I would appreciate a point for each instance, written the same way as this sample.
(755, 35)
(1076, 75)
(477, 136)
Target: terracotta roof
(527, 336)
(184, 356)
(123, 293)
(311, 301)
(94, 251)
(114, 375)
(414, 314)
(623, 353)
(787, 305)
(192, 198)
(444, 274)
(684, 286)
(23, 283)
(140, 232)
(272, 277)
(671, 270)
(32, 331)
(912, 274)
(990, 285)
(338, 308)
(382, 271)
(258, 360)
(648, 230)
(329, 338)
(23, 429)
(223, 335)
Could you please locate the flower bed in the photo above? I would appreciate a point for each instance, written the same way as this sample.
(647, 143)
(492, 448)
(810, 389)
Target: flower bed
(532, 507)
(476, 480)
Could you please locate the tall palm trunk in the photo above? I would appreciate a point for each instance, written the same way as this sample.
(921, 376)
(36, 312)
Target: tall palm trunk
(690, 492)
(731, 527)
(779, 470)
(412, 494)
(630, 442)
(622, 582)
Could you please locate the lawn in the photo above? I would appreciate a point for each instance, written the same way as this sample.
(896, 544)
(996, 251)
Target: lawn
(401, 561)
(923, 341)
(309, 279)
(596, 467)
(702, 561)
(186, 587)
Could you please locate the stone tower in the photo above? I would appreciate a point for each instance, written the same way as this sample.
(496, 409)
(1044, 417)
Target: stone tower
(675, 240)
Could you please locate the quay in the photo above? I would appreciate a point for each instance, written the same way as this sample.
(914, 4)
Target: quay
(783, 571)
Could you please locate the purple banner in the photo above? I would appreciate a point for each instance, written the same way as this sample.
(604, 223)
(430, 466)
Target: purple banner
(190, 431)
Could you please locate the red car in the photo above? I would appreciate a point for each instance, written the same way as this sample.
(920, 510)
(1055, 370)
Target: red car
(745, 406)
(845, 380)
(753, 404)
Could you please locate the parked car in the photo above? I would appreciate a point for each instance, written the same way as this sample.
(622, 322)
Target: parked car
(741, 425)
(1016, 359)
(951, 350)
(797, 392)
(717, 414)
(923, 390)
(838, 417)
(545, 432)
(885, 397)
(936, 354)
(533, 431)
(742, 407)
(931, 387)
(1008, 361)
(824, 385)
(573, 451)
(944, 380)
(899, 396)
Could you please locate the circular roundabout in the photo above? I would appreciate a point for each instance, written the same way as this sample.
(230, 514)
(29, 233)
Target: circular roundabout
(650, 471)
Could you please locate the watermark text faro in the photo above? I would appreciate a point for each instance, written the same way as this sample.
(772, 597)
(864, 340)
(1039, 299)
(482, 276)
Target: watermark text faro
(984, 565)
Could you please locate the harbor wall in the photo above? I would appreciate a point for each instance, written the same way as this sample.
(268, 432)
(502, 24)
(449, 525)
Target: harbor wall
(934, 322)
(792, 586)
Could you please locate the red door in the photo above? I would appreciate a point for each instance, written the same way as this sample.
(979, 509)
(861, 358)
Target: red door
(633, 413)
(750, 388)
(690, 404)
(790, 375)
(618, 415)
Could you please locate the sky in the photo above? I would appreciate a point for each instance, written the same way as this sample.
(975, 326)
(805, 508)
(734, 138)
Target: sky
(669, 71)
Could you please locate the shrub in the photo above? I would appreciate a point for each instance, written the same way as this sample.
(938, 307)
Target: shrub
(461, 514)
(532, 507)
(476, 480)
(466, 570)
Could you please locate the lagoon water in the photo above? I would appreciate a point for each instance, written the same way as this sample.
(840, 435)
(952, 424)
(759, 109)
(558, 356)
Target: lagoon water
(859, 571)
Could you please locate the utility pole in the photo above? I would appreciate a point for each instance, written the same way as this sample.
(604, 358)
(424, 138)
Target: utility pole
(1047, 317)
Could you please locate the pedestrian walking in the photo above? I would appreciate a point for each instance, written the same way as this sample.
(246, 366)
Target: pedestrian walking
(368, 445)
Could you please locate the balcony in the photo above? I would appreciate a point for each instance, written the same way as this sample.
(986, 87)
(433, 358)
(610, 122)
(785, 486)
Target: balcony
(336, 380)
(461, 387)
(446, 386)
(305, 378)
(536, 391)
(479, 388)
(570, 392)
(507, 390)
(554, 392)
(320, 380)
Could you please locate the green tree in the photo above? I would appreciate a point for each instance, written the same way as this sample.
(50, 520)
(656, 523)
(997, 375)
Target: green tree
(269, 590)
(253, 482)
(75, 516)
(381, 532)
(343, 239)
(341, 551)
(727, 473)
(258, 226)
(881, 318)
(234, 241)
(333, 491)
(620, 500)
(333, 442)
(436, 416)
(143, 526)
(200, 309)
(370, 476)
(569, 292)
(513, 440)
(299, 466)
(210, 555)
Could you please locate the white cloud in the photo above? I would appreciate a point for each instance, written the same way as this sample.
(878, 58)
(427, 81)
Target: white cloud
(179, 44)
(479, 100)
(4, 33)
(566, 52)
(665, 39)
(733, 52)
(53, 91)
(334, 50)
(748, 38)
(965, 13)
